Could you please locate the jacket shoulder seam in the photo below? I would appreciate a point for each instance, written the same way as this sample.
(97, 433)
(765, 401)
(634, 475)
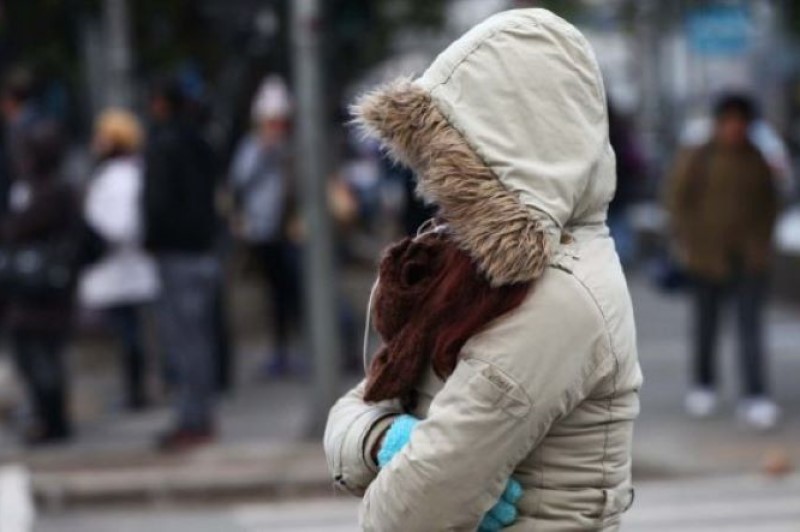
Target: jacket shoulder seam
(598, 309)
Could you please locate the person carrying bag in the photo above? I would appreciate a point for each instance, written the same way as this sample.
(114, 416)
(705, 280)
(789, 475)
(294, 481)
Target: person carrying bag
(37, 275)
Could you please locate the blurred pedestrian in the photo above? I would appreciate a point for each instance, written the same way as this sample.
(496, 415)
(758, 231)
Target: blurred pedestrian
(630, 171)
(198, 112)
(723, 204)
(180, 229)
(261, 181)
(20, 113)
(38, 235)
(125, 278)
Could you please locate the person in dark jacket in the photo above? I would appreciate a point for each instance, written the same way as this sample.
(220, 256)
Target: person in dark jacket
(180, 227)
(723, 205)
(43, 209)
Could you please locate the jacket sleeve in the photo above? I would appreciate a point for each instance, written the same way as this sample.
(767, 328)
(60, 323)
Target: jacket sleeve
(112, 204)
(765, 202)
(513, 382)
(353, 428)
(161, 166)
(244, 160)
(677, 191)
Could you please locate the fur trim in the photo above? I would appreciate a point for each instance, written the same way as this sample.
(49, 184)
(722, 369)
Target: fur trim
(504, 236)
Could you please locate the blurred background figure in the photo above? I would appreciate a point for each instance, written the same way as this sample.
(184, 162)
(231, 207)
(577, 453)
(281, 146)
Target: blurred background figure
(124, 278)
(180, 230)
(19, 114)
(197, 113)
(263, 191)
(38, 236)
(631, 174)
(723, 203)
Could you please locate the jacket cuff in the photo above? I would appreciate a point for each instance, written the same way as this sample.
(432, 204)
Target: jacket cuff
(377, 431)
(356, 469)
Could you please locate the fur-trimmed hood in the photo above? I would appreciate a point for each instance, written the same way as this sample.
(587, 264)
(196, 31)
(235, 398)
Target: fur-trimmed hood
(507, 131)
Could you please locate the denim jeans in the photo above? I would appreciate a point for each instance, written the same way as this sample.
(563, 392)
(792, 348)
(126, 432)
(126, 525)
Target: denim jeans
(128, 326)
(282, 268)
(185, 321)
(40, 359)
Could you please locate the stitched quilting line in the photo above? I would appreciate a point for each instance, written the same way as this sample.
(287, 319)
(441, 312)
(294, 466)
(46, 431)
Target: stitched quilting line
(610, 407)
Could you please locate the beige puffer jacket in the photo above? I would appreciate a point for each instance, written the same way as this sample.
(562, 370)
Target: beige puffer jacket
(508, 133)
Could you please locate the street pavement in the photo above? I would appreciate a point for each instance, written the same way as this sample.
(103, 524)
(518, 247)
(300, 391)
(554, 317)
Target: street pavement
(667, 443)
(730, 504)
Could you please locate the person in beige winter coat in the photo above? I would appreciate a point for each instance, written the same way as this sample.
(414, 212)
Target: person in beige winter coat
(507, 132)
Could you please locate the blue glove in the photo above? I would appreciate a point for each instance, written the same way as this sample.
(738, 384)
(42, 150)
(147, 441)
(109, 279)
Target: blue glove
(396, 438)
(504, 513)
(501, 515)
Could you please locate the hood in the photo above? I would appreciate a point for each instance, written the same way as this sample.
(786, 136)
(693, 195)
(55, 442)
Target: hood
(507, 132)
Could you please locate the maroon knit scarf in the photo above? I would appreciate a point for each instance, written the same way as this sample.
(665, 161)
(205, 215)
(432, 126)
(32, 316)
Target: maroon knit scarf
(429, 301)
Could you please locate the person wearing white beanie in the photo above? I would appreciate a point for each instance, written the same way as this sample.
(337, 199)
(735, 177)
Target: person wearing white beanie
(272, 100)
(261, 184)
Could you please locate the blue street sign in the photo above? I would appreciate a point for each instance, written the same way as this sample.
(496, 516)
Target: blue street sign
(719, 30)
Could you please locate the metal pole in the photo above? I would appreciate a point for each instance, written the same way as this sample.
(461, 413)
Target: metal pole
(320, 279)
(119, 84)
(647, 18)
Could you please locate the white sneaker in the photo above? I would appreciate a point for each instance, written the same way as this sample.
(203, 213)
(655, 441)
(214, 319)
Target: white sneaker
(759, 413)
(701, 402)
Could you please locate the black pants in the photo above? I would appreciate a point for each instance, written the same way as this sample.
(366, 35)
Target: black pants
(749, 295)
(127, 323)
(223, 353)
(282, 268)
(40, 359)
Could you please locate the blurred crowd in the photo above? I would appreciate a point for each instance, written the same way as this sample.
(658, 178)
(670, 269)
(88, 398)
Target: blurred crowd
(144, 241)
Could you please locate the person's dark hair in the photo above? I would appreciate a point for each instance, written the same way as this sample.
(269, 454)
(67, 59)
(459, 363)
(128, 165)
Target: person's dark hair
(739, 104)
(170, 90)
(43, 148)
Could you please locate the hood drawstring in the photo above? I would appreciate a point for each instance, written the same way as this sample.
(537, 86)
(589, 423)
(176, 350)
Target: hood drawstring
(367, 321)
